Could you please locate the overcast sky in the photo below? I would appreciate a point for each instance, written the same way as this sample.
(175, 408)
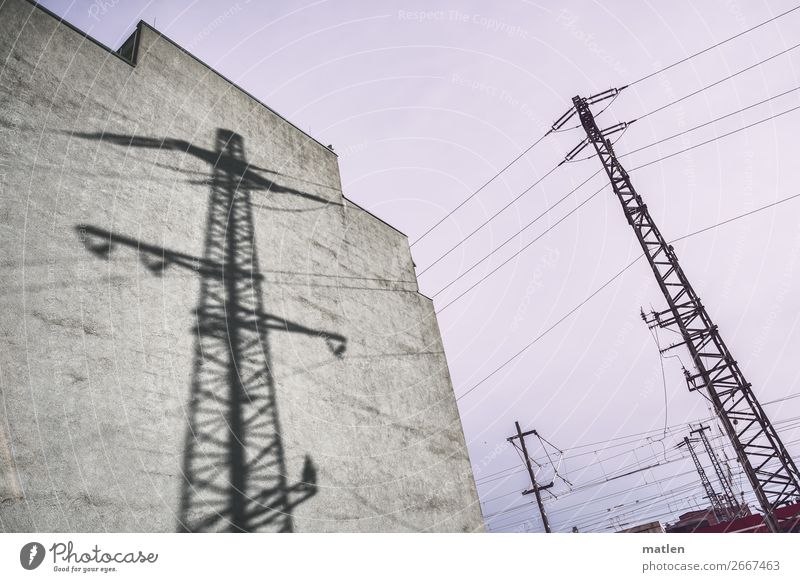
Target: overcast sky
(426, 101)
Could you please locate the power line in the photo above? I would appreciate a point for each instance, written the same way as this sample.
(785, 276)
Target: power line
(516, 469)
(525, 505)
(662, 496)
(631, 513)
(754, 211)
(479, 480)
(578, 506)
(471, 196)
(523, 229)
(509, 259)
(607, 283)
(591, 516)
(654, 335)
(535, 143)
(627, 491)
(644, 165)
(630, 489)
(657, 499)
(624, 470)
(575, 509)
(705, 50)
(788, 396)
(615, 511)
(715, 83)
(780, 423)
(545, 332)
(461, 275)
(488, 480)
(488, 220)
(679, 457)
(771, 117)
(624, 507)
(684, 132)
(515, 492)
(661, 108)
(576, 520)
(644, 435)
(672, 429)
(603, 482)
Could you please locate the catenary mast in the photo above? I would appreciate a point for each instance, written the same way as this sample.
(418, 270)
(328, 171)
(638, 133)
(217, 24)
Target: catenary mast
(761, 453)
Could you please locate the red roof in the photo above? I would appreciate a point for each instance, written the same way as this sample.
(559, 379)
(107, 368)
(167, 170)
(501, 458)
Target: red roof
(788, 517)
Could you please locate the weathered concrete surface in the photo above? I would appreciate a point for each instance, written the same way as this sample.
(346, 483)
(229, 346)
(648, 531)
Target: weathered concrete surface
(96, 349)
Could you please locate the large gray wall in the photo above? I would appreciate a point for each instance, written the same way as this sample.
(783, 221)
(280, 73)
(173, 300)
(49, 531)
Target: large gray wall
(97, 350)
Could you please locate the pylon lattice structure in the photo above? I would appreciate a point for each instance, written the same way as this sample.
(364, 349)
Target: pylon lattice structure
(717, 501)
(732, 505)
(770, 470)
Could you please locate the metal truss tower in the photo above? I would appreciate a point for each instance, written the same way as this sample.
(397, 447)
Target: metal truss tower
(733, 507)
(717, 501)
(763, 457)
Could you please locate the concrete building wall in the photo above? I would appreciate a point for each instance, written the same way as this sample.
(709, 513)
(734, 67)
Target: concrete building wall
(98, 336)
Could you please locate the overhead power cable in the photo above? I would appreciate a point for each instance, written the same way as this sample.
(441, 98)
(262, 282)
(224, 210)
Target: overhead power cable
(661, 70)
(606, 284)
(515, 492)
(504, 263)
(646, 435)
(708, 141)
(627, 491)
(523, 229)
(549, 329)
(619, 509)
(720, 43)
(785, 425)
(592, 516)
(639, 167)
(488, 220)
(630, 439)
(631, 505)
(475, 193)
(748, 213)
(691, 129)
(560, 200)
(537, 182)
(715, 83)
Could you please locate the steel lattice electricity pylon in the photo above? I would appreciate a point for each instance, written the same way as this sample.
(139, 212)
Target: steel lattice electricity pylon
(766, 462)
(716, 500)
(733, 507)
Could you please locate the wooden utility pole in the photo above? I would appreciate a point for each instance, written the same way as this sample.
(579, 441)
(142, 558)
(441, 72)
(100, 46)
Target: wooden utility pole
(535, 488)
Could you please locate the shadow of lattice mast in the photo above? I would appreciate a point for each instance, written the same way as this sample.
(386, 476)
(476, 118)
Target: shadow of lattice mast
(234, 464)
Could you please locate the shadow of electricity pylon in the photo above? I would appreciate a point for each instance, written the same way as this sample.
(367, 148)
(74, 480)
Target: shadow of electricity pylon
(234, 462)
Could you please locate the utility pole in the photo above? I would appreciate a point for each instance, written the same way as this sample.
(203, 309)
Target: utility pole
(734, 509)
(769, 468)
(714, 498)
(536, 489)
